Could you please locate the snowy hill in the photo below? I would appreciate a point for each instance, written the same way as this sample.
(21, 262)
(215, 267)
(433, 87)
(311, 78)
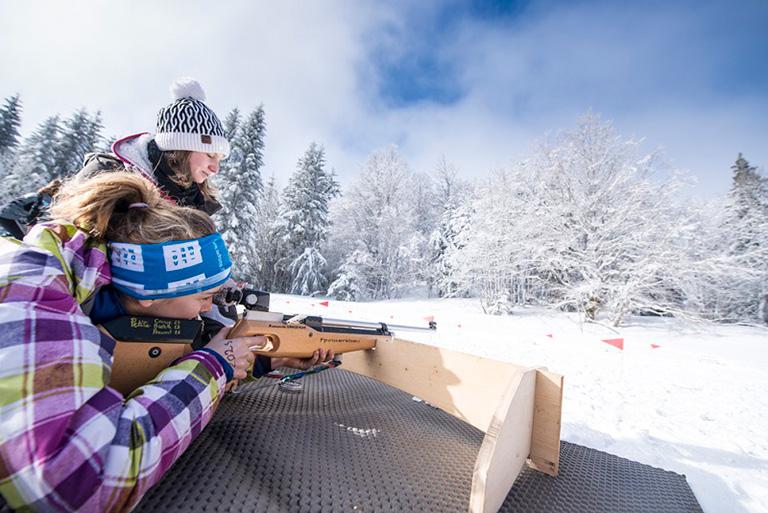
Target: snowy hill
(690, 398)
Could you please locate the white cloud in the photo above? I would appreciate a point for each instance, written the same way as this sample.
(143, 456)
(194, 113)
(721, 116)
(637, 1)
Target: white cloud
(308, 63)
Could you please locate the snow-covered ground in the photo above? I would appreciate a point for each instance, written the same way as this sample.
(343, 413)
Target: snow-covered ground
(691, 398)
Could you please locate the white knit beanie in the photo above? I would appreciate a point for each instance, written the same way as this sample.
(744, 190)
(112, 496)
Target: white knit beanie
(188, 123)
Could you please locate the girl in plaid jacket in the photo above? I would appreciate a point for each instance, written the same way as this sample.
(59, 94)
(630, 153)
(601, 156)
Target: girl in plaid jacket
(69, 442)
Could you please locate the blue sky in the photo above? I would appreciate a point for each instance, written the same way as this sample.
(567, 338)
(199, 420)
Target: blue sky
(478, 82)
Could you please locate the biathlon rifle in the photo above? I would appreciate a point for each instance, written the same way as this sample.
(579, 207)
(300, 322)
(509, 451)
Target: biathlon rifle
(300, 335)
(147, 345)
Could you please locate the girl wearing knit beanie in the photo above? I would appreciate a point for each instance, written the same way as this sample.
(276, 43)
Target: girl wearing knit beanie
(185, 150)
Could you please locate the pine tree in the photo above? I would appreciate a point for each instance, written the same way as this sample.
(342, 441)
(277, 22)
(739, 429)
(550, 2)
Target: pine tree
(10, 121)
(250, 142)
(241, 189)
(307, 270)
(105, 144)
(271, 246)
(80, 135)
(745, 238)
(351, 277)
(449, 194)
(446, 240)
(305, 221)
(749, 192)
(232, 124)
(35, 163)
(231, 165)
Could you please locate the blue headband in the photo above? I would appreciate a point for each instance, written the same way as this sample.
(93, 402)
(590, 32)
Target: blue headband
(170, 269)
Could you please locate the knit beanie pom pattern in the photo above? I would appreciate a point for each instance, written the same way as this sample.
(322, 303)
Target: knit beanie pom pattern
(187, 123)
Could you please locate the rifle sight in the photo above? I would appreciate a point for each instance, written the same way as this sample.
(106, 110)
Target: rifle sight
(251, 299)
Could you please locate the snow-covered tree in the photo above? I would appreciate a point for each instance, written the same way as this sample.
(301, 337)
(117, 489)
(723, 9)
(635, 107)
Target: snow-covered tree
(423, 203)
(351, 277)
(445, 243)
(35, 163)
(586, 224)
(241, 192)
(232, 164)
(451, 209)
(308, 271)
(449, 188)
(740, 241)
(376, 232)
(105, 144)
(491, 241)
(80, 134)
(748, 205)
(271, 246)
(10, 122)
(232, 124)
(305, 221)
(250, 143)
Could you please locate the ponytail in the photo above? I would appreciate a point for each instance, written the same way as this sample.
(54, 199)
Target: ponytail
(110, 206)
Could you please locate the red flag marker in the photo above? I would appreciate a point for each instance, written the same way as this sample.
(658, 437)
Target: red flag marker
(615, 342)
(429, 318)
(323, 303)
(655, 346)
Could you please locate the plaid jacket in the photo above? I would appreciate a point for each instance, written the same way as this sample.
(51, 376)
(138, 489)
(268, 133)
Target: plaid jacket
(67, 441)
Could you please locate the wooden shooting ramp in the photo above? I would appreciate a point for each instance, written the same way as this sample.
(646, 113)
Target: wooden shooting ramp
(351, 443)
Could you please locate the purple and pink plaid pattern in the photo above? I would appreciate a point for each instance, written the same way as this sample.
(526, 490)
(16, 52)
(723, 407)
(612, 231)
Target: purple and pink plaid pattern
(67, 441)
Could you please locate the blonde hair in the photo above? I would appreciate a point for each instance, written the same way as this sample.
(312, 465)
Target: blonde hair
(51, 188)
(178, 161)
(101, 207)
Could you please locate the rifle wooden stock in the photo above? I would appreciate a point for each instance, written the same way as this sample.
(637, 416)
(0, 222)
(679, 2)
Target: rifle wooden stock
(138, 363)
(137, 360)
(144, 346)
(299, 340)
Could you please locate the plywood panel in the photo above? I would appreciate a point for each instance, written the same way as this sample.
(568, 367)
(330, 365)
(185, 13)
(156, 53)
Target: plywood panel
(518, 408)
(466, 386)
(545, 439)
(506, 445)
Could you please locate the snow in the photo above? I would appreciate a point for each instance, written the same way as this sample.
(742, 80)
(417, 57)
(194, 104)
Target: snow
(696, 404)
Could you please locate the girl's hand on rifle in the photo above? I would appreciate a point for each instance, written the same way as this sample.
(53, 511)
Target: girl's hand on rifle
(236, 351)
(319, 356)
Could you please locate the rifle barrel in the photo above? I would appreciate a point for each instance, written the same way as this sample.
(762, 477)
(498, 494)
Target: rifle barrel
(344, 323)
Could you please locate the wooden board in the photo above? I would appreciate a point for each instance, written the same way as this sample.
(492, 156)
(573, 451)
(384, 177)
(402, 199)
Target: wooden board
(518, 408)
(466, 386)
(545, 439)
(506, 445)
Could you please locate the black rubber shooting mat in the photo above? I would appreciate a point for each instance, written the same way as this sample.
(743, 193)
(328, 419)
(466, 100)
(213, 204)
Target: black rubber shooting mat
(347, 443)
